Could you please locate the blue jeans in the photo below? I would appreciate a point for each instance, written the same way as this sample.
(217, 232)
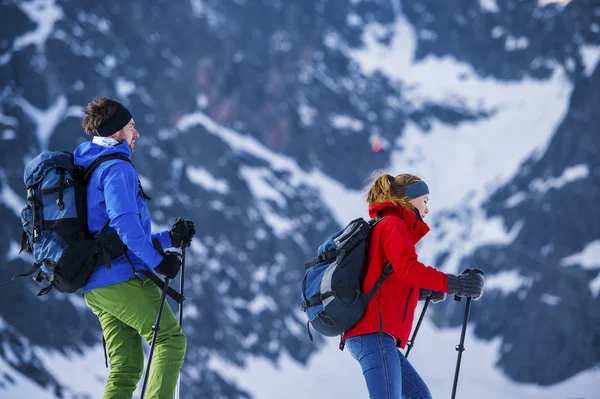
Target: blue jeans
(387, 372)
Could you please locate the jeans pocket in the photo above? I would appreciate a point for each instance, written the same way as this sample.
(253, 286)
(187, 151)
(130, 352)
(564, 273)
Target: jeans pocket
(354, 345)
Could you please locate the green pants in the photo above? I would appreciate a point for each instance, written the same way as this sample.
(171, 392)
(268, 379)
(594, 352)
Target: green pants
(127, 312)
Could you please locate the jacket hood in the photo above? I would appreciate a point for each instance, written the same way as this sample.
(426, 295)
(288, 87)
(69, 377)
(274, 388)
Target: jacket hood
(87, 152)
(416, 226)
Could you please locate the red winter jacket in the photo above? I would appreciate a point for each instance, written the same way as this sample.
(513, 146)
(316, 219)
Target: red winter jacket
(393, 240)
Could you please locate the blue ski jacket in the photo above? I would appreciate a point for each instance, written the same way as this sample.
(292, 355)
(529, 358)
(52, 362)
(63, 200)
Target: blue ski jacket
(113, 193)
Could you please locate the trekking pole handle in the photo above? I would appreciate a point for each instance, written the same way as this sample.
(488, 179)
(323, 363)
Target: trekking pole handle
(187, 243)
(469, 271)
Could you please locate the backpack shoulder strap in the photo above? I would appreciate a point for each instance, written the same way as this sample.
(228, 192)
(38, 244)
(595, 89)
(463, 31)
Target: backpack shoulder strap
(376, 220)
(387, 271)
(88, 172)
(109, 246)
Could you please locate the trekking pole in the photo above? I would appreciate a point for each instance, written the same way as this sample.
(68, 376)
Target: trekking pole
(461, 346)
(181, 280)
(155, 329)
(411, 341)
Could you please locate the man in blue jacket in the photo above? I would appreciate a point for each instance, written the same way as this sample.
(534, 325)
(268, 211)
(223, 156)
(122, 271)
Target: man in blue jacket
(126, 304)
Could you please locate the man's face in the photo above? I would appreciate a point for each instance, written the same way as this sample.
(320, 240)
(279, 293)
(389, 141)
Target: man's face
(130, 134)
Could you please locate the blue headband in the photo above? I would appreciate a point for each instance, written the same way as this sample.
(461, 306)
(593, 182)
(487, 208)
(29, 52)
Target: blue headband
(415, 190)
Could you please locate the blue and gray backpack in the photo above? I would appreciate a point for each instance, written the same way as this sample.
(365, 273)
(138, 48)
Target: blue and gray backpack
(55, 226)
(332, 292)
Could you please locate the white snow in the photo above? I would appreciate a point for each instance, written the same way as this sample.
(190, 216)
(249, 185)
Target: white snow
(345, 205)
(110, 61)
(547, 2)
(460, 237)
(330, 189)
(102, 24)
(346, 122)
(47, 120)
(13, 253)
(22, 387)
(515, 199)
(44, 13)
(78, 301)
(202, 10)
(353, 19)
(595, 286)
(124, 87)
(8, 120)
(177, 169)
(550, 299)
(9, 198)
(267, 190)
(335, 374)
(74, 111)
(332, 40)
(165, 201)
(5, 58)
(281, 225)
(191, 311)
(513, 43)
(261, 302)
(569, 175)
(146, 183)
(489, 5)
(259, 181)
(588, 258)
(480, 155)
(206, 180)
(507, 281)
(80, 373)
(201, 101)
(541, 186)
(497, 31)
(79, 85)
(307, 114)
(591, 56)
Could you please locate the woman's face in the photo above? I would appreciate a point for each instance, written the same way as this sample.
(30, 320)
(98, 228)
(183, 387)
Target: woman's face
(421, 204)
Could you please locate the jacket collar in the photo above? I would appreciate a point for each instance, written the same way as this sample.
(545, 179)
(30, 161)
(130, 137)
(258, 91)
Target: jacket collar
(416, 226)
(87, 152)
(105, 141)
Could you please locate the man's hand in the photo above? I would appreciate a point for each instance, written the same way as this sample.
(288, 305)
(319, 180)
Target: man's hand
(182, 232)
(170, 265)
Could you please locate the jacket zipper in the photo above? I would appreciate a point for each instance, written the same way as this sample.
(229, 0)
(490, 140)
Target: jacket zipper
(406, 304)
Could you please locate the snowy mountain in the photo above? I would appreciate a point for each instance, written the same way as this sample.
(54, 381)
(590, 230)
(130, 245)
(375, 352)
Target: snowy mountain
(261, 121)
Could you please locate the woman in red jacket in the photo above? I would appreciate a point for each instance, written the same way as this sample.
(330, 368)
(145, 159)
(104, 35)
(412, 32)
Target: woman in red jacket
(388, 319)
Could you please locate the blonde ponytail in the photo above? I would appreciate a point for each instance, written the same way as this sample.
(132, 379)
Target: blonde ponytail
(387, 188)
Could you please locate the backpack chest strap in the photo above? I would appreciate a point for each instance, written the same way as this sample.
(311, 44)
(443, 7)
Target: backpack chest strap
(324, 257)
(316, 299)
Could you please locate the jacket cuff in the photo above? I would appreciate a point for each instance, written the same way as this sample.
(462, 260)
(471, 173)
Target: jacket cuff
(453, 285)
(164, 238)
(155, 260)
